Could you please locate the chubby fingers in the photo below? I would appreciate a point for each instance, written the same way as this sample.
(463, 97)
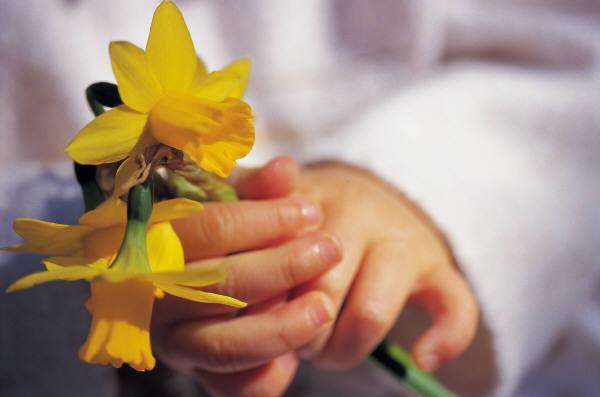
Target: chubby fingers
(223, 228)
(336, 282)
(275, 179)
(378, 294)
(224, 345)
(263, 274)
(455, 313)
(258, 276)
(268, 380)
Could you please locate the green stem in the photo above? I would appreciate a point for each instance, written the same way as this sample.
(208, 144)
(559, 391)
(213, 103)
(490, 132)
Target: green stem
(86, 176)
(98, 95)
(133, 253)
(397, 360)
(102, 94)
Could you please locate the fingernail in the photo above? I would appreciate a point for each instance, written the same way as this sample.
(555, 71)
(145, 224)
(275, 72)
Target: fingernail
(329, 249)
(319, 312)
(429, 361)
(311, 212)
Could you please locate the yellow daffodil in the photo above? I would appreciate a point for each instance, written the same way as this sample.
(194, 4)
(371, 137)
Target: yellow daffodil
(170, 98)
(122, 288)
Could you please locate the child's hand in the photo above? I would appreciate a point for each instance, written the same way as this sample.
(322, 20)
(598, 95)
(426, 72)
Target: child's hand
(392, 253)
(206, 340)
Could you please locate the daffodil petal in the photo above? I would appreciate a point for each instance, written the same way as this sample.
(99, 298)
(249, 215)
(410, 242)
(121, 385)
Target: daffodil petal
(240, 68)
(170, 49)
(58, 262)
(108, 138)
(213, 134)
(201, 73)
(197, 276)
(48, 238)
(131, 168)
(174, 209)
(67, 273)
(165, 252)
(217, 86)
(138, 86)
(200, 296)
(111, 212)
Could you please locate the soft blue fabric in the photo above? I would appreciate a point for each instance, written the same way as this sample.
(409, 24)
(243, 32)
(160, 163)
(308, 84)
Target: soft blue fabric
(42, 328)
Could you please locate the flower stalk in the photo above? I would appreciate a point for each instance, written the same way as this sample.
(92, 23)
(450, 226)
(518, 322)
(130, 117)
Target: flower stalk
(133, 253)
(396, 360)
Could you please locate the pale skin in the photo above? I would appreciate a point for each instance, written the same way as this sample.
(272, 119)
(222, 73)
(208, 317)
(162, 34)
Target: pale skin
(299, 245)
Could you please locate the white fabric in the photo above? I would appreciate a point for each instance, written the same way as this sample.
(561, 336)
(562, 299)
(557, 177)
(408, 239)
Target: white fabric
(486, 113)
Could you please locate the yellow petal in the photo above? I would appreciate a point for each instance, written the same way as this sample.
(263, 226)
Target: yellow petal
(240, 68)
(165, 252)
(201, 73)
(213, 134)
(120, 330)
(170, 49)
(231, 81)
(200, 296)
(108, 138)
(66, 273)
(174, 209)
(58, 262)
(110, 212)
(197, 276)
(138, 86)
(217, 86)
(48, 238)
(103, 242)
(131, 168)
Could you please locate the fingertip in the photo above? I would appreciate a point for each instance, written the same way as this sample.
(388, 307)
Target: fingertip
(443, 342)
(280, 176)
(329, 248)
(275, 179)
(284, 166)
(455, 313)
(426, 356)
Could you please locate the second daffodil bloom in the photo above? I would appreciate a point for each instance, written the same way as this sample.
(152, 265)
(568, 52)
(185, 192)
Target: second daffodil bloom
(123, 286)
(169, 97)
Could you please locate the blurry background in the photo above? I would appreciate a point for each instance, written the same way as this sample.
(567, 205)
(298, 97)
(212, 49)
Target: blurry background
(494, 101)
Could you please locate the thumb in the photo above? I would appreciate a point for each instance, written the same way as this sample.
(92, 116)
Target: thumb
(455, 315)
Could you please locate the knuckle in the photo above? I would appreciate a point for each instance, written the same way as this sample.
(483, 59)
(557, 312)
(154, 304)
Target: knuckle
(289, 272)
(215, 355)
(285, 217)
(297, 260)
(227, 287)
(370, 318)
(217, 226)
(286, 339)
